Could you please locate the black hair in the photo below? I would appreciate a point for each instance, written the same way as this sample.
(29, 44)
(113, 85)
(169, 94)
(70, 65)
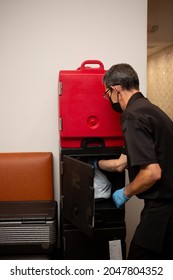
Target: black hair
(121, 74)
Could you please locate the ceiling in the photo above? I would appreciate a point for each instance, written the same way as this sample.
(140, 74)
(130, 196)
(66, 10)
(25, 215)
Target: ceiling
(160, 25)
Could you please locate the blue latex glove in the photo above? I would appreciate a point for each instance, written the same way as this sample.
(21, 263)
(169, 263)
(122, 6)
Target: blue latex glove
(119, 197)
(94, 163)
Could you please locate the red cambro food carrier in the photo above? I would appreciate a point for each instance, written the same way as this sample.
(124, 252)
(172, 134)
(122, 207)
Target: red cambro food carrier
(85, 116)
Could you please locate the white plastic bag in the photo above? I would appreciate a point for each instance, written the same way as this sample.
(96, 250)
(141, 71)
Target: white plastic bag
(102, 186)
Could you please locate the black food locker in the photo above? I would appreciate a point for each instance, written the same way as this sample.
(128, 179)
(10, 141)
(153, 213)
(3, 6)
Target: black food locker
(88, 225)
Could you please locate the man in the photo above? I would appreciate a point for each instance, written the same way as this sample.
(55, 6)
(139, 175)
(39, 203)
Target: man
(148, 136)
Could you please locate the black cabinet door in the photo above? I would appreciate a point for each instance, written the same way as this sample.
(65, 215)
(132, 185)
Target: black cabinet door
(78, 194)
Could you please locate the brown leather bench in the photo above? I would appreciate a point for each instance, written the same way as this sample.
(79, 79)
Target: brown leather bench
(26, 176)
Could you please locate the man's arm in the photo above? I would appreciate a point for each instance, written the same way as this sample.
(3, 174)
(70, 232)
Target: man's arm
(147, 176)
(113, 165)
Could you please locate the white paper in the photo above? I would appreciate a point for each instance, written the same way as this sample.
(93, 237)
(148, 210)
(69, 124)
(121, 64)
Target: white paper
(115, 250)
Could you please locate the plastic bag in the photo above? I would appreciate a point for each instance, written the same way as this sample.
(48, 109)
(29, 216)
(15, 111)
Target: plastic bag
(102, 186)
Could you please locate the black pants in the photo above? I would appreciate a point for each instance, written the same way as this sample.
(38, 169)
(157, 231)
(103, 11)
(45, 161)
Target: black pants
(138, 253)
(140, 249)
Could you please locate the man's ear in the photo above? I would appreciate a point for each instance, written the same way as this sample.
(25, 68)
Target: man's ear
(118, 88)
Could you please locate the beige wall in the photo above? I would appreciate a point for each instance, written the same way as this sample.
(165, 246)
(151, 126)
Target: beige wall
(160, 80)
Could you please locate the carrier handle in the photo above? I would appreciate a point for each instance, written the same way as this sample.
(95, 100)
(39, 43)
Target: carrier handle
(93, 143)
(83, 65)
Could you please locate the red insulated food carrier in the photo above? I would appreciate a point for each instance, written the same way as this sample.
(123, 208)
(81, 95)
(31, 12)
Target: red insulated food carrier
(84, 115)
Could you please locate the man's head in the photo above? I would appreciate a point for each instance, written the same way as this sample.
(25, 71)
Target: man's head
(121, 82)
(121, 74)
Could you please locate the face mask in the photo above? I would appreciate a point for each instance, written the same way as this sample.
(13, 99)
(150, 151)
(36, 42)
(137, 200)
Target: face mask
(116, 107)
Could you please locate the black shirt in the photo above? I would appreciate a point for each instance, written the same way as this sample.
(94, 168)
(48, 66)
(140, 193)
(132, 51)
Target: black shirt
(148, 135)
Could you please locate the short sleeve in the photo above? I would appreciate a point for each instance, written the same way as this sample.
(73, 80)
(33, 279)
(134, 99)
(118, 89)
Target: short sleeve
(139, 142)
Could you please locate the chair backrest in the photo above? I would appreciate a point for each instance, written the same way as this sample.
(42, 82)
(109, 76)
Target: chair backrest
(26, 176)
